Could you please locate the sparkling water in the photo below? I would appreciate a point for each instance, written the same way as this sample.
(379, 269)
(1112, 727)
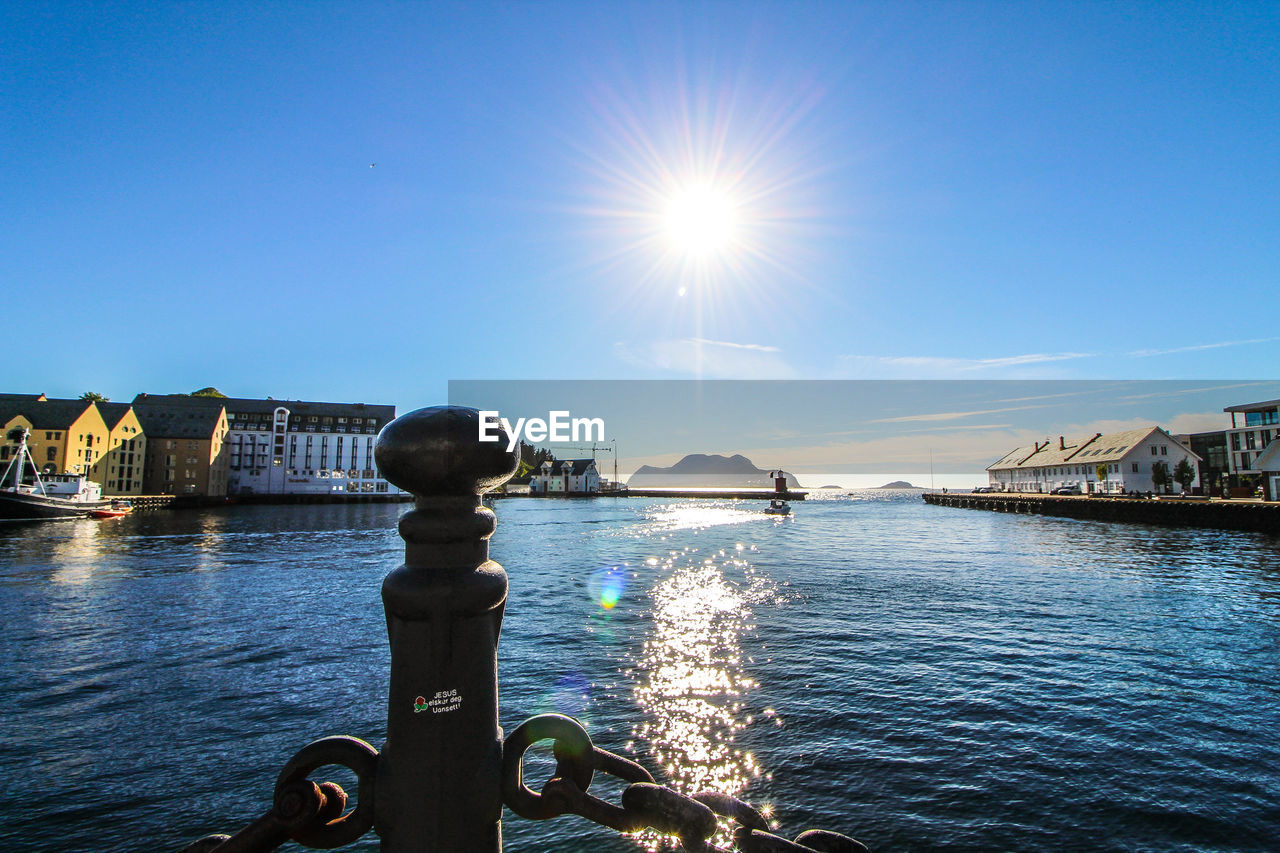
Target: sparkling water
(918, 677)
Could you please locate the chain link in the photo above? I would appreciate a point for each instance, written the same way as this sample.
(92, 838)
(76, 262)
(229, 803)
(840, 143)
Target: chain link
(303, 811)
(645, 804)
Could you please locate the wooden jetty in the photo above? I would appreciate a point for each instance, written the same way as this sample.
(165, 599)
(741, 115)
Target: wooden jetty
(1259, 516)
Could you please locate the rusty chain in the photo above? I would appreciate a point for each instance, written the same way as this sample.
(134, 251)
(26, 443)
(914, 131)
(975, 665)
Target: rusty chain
(303, 811)
(312, 814)
(645, 804)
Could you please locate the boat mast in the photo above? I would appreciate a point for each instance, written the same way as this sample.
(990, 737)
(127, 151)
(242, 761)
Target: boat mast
(19, 435)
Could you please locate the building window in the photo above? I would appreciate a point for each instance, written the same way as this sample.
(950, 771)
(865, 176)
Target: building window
(1250, 441)
(1235, 441)
(1153, 450)
(1244, 461)
(1135, 467)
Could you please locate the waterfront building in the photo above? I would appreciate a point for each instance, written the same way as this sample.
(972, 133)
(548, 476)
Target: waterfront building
(66, 436)
(1211, 447)
(1104, 463)
(1268, 462)
(1254, 427)
(295, 447)
(566, 477)
(119, 470)
(186, 450)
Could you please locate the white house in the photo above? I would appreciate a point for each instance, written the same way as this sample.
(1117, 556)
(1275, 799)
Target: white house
(566, 476)
(1107, 463)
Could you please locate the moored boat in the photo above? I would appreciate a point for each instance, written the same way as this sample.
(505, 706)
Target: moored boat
(45, 497)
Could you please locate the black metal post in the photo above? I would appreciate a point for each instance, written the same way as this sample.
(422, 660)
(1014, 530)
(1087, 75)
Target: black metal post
(439, 786)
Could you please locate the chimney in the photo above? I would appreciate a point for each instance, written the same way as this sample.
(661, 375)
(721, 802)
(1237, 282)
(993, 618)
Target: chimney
(1062, 442)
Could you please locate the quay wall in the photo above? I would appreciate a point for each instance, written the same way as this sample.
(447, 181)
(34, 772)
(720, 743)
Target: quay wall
(1258, 516)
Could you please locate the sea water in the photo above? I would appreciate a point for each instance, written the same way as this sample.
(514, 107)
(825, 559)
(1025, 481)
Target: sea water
(918, 677)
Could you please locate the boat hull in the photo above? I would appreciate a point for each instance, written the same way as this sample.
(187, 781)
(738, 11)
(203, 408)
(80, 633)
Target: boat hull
(35, 507)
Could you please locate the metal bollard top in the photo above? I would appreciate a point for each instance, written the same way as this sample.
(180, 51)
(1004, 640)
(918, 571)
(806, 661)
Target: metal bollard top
(437, 451)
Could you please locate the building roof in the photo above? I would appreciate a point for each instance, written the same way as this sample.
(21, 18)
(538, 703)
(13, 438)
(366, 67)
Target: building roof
(113, 413)
(1269, 459)
(580, 466)
(1087, 450)
(244, 405)
(47, 414)
(1265, 405)
(27, 397)
(10, 409)
(162, 421)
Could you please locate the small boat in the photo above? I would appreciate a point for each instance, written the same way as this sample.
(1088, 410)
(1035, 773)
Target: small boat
(50, 496)
(777, 507)
(118, 509)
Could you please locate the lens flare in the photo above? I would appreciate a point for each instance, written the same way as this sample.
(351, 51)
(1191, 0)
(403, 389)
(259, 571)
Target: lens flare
(607, 586)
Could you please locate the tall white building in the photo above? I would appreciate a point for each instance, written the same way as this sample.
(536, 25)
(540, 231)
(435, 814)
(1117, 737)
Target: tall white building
(1253, 427)
(1104, 463)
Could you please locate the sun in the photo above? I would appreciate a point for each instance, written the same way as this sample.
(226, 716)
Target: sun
(700, 220)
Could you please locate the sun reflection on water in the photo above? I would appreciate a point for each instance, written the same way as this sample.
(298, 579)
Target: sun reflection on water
(691, 679)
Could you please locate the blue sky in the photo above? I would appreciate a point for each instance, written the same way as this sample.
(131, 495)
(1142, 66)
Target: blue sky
(932, 190)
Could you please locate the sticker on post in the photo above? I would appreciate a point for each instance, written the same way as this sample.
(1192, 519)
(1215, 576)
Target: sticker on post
(442, 702)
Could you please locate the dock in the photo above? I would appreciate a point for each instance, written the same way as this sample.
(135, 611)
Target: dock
(734, 494)
(1251, 515)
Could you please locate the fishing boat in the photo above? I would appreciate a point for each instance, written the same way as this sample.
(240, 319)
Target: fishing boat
(48, 496)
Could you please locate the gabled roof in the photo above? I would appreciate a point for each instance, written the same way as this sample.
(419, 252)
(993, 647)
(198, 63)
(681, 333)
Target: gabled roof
(1087, 450)
(10, 409)
(52, 414)
(161, 421)
(579, 466)
(27, 397)
(113, 413)
(1269, 459)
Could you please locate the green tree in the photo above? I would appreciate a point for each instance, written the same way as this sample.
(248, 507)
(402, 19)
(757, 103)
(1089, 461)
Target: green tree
(94, 397)
(1184, 472)
(1160, 477)
(208, 392)
(1101, 471)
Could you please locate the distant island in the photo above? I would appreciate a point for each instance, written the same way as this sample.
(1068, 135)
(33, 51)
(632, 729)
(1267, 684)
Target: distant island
(698, 470)
(898, 484)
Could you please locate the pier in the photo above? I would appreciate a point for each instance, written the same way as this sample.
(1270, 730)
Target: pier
(1258, 516)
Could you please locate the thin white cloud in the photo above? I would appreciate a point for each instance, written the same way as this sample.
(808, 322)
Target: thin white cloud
(707, 359)
(733, 345)
(1185, 391)
(950, 416)
(952, 366)
(1147, 353)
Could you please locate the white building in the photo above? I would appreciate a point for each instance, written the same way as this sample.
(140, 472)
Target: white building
(1106, 463)
(566, 476)
(1268, 463)
(1254, 427)
(292, 447)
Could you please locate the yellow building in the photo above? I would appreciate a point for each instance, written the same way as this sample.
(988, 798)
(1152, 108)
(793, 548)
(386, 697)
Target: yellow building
(66, 436)
(119, 470)
(10, 417)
